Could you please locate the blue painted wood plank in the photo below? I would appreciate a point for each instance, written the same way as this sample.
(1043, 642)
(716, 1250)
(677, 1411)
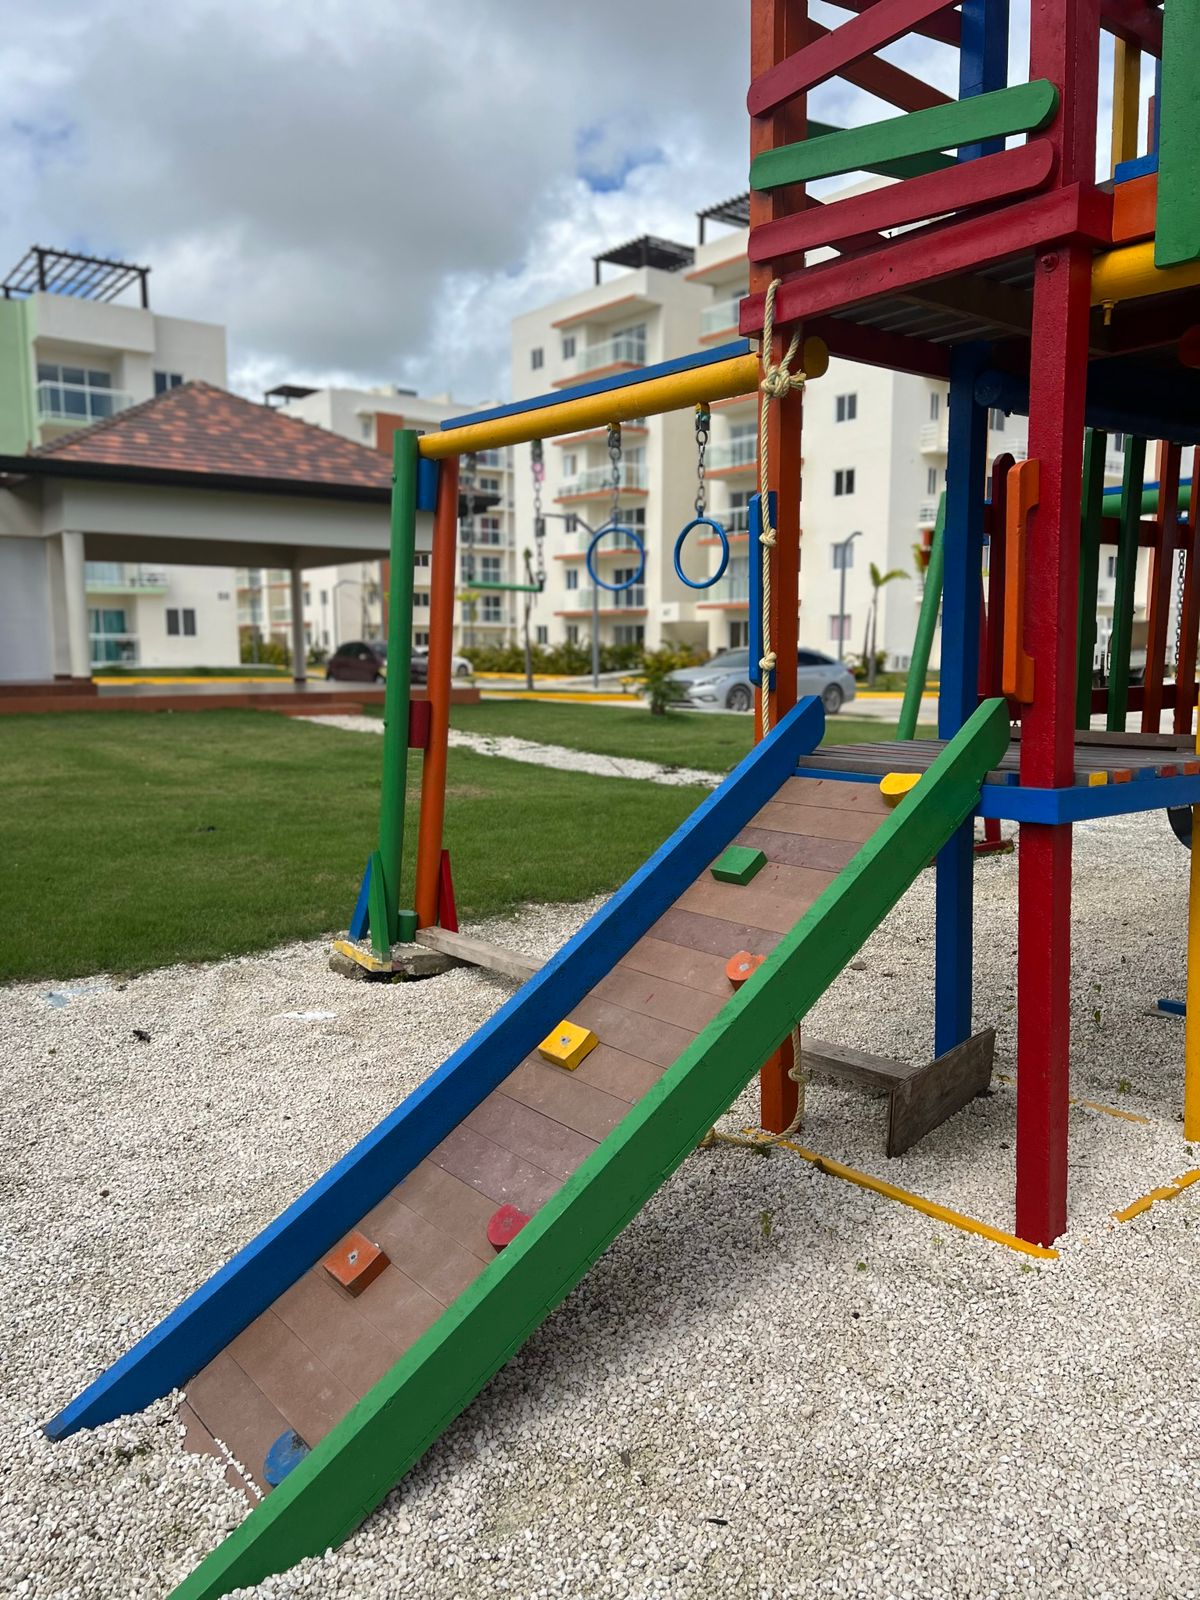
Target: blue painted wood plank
(427, 484)
(982, 61)
(755, 591)
(259, 1273)
(360, 921)
(1139, 167)
(1080, 804)
(620, 380)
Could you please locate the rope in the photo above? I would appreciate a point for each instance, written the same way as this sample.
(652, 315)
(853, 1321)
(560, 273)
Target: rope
(777, 380)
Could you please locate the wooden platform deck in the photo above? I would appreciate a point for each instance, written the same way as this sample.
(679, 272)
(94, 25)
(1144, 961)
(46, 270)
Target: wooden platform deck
(305, 1361)
(1099, 757)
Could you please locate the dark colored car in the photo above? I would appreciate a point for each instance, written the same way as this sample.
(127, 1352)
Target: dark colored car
(365, 661)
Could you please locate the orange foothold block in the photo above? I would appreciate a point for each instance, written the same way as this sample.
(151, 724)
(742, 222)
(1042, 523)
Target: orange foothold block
(355, 1263)
(567, 1045)
(896, 785)
(739, 967)
(504, 1226)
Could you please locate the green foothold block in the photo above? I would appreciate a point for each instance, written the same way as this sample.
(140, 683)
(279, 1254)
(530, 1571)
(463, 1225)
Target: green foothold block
(406, 926)
(738, 864)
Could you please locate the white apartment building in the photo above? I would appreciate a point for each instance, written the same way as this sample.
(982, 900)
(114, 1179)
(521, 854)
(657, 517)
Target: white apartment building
(874, 446)
(72, 355)
(347, 602)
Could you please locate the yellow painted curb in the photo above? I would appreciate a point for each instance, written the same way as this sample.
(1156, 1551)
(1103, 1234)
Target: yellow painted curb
(1092, 1105)
(1166, 1191)
(553, 696)
(928, 1208)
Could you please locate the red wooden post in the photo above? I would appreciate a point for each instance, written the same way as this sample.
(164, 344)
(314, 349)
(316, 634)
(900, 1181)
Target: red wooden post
(1162, 568)
(441, 641)
(778, 28)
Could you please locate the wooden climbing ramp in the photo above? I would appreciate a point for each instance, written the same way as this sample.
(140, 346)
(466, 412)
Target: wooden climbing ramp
(329, 1355)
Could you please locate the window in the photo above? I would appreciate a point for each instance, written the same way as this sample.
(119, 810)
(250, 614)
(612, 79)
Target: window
(572, 633)
(181, 622)
(996, 420)
(542, 634)
(629, 344)
(76, 392)
(839, 627)
(367, 427)
(846, 407)
(109, 638)
(568, 347)
(167, 380)
(935, 406)
(843, 555)
(739, 635)
(1112, 566)
(536, 358)
(570, 464)
(421, 559)
(489, 569)
(420, 638)
(489, 485)
(572, 577)
(634, 517)
(421, 599)
(843, 481)
(629, 633)
(1118, 443)
(931, 483)
(492, 609)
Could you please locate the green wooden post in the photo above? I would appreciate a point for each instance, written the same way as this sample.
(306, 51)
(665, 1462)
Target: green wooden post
(1127, 557)
(1094, 448)
(395, 710)
(350, 1471)
(1177, 216)
(931, 601)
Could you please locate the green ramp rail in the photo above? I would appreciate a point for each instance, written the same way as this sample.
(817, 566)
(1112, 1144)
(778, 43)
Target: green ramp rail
(351, 1470)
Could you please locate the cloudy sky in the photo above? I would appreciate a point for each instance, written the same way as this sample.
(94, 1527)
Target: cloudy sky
(367, 191)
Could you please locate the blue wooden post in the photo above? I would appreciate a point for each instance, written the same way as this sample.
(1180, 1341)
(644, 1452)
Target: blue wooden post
(966, 470)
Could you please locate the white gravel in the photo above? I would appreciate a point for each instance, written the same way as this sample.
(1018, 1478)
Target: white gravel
(545, 755)
(774, 1384)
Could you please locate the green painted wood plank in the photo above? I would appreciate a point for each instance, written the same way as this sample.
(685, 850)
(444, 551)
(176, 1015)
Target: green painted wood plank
(1177, 218)
(1021, 109)
(1123, 596)
(393, 788)
(931, 604)
(377, 908)
(905, 167)
(738, 864)
(353, 1468)
(1094, 446)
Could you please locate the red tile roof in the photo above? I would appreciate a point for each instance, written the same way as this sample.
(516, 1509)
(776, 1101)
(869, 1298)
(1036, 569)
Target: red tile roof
(198, 430)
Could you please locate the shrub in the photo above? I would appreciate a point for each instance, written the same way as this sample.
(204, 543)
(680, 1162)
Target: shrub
(660, 688)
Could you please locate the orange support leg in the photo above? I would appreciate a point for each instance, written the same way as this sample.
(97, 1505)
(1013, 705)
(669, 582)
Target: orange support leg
(441, 652)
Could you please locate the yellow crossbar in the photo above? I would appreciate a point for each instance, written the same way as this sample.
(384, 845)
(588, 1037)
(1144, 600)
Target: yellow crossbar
(722, 380)
(1130, 274)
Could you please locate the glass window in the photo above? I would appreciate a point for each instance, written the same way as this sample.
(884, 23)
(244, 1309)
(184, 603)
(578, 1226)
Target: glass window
(189, 623)
(173, 621)
(629, 633)
(935, 406)
(568, 348)
(1112, 566)
(542, 633)
(536, 357)
(847, 407)
(739, 633)
(172, 380)
(843, 481)
(572, 577)
(996, 420)
(843, 555)
(572, 633)
(931, 483)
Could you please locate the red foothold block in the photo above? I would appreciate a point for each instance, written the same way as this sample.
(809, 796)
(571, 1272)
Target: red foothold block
(504, 1226)
(739, 967)
(355, 1263)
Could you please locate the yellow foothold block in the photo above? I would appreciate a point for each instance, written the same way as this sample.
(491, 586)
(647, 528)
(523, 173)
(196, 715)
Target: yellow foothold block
(1096, 779)
(896, 785)
(567, 1045)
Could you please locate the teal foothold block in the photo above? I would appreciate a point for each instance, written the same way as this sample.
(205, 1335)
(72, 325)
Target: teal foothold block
(738, 864)
(406, 926)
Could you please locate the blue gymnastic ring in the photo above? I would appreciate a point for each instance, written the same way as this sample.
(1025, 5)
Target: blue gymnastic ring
(702, 522)
(635, 538)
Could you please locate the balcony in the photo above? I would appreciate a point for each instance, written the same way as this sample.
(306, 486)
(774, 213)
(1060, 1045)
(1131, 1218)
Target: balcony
(120, 577)
(79, 403)
(113, 649)
(493, 538)
(735, 521)
(933, 439)
(578, 602)
(720, 317)
(734, 455)
(927, 513)
(493, 458)
(595, 482)
(622, 351)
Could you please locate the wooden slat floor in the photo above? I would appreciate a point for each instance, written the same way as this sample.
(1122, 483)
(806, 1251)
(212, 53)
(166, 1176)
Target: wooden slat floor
(1117, 756)
(305, 1361)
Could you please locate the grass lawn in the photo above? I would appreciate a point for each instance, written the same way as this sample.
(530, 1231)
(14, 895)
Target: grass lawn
(713, 741)
(131, 841)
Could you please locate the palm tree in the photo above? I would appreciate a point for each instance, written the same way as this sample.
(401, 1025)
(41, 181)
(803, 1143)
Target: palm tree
(878, 579)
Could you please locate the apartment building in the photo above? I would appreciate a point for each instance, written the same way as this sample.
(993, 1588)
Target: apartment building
(347, 602)
(79, 343)
(874, 446)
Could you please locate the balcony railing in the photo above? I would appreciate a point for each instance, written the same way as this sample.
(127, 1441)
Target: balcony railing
(927, 513)
(739, 452)
(111, 649)
(598, 480)
(622, 349)
(735, 521)
(626, 600)
(722, 315)
(934, 438)
(79, 402)
(120, 577)
(488, 536)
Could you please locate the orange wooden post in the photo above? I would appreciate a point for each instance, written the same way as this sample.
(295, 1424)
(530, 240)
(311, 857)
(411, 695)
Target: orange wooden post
(441, 652)
(778, 28)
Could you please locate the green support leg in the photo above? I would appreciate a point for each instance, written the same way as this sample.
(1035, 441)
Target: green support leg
(1094, 448)
(931, 601)
(1127, 558)
(395, 710)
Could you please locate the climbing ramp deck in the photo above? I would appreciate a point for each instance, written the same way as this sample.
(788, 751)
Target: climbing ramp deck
(272, 1345)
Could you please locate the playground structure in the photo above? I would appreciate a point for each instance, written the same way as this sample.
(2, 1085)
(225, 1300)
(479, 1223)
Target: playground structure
(338, 1345)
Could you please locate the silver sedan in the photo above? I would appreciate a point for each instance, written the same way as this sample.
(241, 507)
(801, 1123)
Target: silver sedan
(724, 682)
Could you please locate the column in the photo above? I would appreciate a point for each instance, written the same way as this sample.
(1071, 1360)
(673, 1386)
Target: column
(79, 653)
(299, 640)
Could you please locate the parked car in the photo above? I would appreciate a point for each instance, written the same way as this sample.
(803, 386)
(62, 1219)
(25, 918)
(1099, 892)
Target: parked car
(365, 661)
(460, 667)
(725, 681)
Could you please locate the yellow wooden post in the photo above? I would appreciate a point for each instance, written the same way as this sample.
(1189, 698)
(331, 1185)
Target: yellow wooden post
(1127, 91)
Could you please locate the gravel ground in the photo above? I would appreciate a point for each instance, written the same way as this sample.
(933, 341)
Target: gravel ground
(544, 755)
(773, 1384)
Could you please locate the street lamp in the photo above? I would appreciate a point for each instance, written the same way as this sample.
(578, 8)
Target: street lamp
(844, 546)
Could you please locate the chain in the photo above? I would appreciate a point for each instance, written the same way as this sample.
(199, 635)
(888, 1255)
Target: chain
(614, 455)
(1179, 587)
(538, 465)
(703, 428)
(467, 476)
